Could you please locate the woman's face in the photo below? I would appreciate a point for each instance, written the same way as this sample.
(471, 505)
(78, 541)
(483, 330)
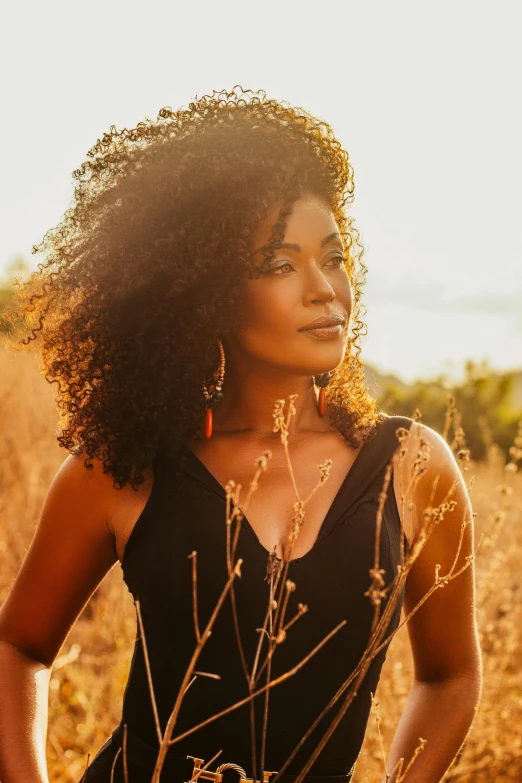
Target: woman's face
(306, 280)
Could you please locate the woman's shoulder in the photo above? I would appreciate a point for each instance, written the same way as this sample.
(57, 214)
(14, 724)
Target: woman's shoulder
(422, 462)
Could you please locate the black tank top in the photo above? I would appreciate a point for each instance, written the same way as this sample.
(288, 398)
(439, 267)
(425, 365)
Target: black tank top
(188, 513)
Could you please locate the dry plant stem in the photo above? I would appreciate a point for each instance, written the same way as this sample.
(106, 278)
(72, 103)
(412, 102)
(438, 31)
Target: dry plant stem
(236, 514)
(239, 511)
(271, 684)
(149, 673)
(124, 755)
(375, 705)
(496, 520)
(303, 608)
(114, 765)
(232, 494)
(247, 676)
(166, 741)
(362, 670)
(367, 659)
(280, 611)
(244, 666)
(416, 753)
(269, 620)
(283, 426)
(268, 674)
(230, 554)
(272, 642)
(358, 675)
(397, 586)
(194, 557)
(190, 683)
(86, 769)
(228, 523)
(251, 684)
(273, 637)
(439, 581)
(238, 635)
(398, 766)
(207, 674)
(334, 723)
(378, 573)
(289, 588)
(282, 599)
(372, 650)
(231, 549)
(467, 769)
(252, 715)
(404, 436)
(265, 719)
(237, 632)
(262, 634)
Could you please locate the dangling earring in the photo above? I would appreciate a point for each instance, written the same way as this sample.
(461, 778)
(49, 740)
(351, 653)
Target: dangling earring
(215, 396)
(322, 382)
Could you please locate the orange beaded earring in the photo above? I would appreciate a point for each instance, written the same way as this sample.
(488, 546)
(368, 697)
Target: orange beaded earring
(322, 382)
(214, 396)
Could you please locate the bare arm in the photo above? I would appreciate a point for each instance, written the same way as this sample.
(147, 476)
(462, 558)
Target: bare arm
(71, 551)
(24, 685)
(443, 634)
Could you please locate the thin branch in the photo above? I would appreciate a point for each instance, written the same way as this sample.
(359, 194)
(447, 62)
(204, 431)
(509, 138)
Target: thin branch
(114, 765)
(194, 557)
(369, 654)
(190, 683)
(149, 673)
(271, 684)
(124, 755)
(363, 670)
(208, 674)
(164, 746)
(416, 753)
(87, 769)
(375, 705)
(375, 590)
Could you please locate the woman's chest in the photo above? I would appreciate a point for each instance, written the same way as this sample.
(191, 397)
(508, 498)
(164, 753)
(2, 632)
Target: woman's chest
(287, 504)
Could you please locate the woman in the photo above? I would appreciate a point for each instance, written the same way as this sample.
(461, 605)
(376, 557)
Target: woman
(206, 273)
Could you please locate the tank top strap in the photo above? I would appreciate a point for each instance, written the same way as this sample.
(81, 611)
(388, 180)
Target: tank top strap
(371, 460)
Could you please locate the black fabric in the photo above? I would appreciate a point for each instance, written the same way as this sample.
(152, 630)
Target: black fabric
(141, 760)
(188, 514)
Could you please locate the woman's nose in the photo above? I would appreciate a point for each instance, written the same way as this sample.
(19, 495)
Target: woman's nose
(318, 287)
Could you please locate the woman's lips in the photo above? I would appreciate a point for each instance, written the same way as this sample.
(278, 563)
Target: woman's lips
(324, 332)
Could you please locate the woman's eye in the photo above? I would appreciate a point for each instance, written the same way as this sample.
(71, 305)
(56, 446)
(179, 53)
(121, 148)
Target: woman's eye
(277, 268)
(339, 260)
(280, 270)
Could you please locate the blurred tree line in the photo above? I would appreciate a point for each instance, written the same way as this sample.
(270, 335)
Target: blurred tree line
(489, 402)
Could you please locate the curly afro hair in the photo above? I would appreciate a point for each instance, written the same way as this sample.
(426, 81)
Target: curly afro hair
(142, 273)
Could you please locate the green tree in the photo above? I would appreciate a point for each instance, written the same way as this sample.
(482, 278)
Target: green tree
(484, 398)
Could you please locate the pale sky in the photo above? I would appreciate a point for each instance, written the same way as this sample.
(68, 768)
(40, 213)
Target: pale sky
(424, 96)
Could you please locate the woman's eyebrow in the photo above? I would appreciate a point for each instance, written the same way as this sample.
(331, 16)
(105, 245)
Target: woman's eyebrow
(297, 248)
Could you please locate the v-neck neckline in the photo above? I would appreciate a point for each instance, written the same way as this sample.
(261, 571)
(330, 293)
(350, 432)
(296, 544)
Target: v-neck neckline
(328, 520)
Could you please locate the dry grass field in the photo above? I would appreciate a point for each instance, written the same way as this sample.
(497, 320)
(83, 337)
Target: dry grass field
(90, 673)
